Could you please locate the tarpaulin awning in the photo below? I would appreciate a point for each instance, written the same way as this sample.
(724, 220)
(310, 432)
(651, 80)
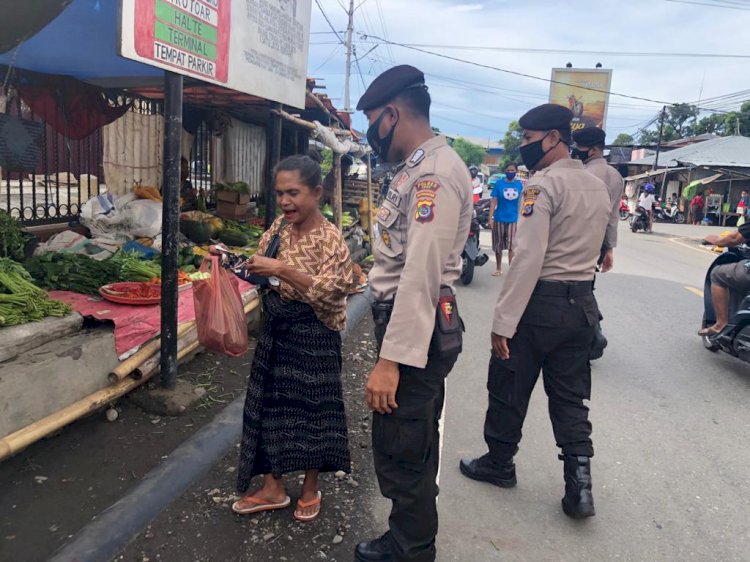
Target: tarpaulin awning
(80, 42)
(691, 189)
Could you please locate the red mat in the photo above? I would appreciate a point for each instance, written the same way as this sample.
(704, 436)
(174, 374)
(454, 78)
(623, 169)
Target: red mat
(134, 325)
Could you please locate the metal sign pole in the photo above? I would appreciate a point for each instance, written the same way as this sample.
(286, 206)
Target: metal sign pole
(170, 226)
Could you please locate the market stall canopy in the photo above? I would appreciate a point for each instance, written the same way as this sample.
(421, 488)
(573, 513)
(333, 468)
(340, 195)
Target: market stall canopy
(689, 191)
(652, 173)
(80, 42)
(26, 19)
(731, 152)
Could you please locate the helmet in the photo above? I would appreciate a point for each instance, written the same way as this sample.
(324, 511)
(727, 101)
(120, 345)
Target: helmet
(474, 171)
(649, 188)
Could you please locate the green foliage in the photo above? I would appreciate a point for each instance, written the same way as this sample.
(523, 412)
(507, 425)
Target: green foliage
(472, 154)
(512, 143)
(624, 139)
(436, 130)
(327, 164)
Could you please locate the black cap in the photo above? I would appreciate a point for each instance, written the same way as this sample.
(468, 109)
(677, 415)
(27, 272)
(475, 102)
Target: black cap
(390, 84)
(547, 117)
(589, 136)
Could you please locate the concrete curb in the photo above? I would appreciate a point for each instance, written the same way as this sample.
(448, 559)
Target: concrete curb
(115, 527)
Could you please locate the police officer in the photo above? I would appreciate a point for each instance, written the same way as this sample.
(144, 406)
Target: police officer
(424, 223)
(589, 148)
(546, 311)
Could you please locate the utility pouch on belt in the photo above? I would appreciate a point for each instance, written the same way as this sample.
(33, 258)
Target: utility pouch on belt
(447, 337)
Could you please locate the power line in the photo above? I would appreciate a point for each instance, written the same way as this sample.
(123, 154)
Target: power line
(328, 21)
(524, 75)
(716, 5)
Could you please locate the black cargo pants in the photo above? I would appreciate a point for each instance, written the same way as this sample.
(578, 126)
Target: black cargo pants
(554, 336)
(406, 453)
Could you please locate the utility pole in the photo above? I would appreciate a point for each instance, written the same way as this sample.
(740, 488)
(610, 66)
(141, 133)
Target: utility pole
(349, 31)
(661, 133)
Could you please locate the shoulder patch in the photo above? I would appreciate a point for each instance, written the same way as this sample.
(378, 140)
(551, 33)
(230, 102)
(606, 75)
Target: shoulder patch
(425, 210)
(393, 197)
(426, 186)
(530, 196)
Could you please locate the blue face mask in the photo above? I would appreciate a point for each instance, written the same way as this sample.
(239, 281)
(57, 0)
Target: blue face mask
(510, 175)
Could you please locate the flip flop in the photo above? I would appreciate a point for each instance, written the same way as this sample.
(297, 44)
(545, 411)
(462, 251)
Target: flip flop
(304, 505)
(260, 505)
(497, 273)
(709, 332)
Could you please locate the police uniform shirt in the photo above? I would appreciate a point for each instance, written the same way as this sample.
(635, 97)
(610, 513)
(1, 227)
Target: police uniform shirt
(424, 223)
(564, 214)
(615, 185)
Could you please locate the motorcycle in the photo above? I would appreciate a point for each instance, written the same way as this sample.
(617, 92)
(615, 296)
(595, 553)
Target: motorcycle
(624, 210)
(482, 209)
(735, 338)
(639, 220)
(471, 257)
(671, 214)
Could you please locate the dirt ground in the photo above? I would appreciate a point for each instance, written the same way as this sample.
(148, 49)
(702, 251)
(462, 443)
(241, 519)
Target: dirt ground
(51, 490)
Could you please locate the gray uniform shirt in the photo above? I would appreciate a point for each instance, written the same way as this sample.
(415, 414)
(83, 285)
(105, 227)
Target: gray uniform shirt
(424, 223)
(563, 218)
(615, 186)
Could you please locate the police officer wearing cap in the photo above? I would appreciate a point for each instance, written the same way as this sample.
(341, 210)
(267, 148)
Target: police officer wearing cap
(546, 312)
(589, 148)
(423, 223)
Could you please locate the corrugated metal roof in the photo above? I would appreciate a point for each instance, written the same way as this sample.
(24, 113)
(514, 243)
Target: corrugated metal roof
(733, 152)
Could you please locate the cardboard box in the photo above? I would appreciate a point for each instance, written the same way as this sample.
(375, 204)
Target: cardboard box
(233, 197)
(231, 211)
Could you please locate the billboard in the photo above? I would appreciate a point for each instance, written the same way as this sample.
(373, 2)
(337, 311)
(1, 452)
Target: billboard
(258, 47)
(585, 92)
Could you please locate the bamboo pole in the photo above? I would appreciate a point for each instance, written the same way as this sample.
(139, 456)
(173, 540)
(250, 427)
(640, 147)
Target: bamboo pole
(338, 206)
(19, 440)
(369, 205)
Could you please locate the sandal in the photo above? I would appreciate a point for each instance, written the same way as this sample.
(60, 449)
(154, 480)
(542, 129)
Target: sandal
(497, 273)
(709, 332)
(304, 505)
(260, 505)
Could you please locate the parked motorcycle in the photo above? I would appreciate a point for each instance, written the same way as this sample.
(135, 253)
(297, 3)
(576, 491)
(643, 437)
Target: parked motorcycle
(470, 256)
(735, 338)
(482, 209)
(624, 210)
(671, 214)
(639, 220)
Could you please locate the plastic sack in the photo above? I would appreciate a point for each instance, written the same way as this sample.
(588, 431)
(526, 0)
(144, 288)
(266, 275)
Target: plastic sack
(219, 314)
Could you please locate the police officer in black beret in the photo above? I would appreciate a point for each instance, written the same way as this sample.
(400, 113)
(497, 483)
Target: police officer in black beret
(589, 148)
(423, 224)
(546, 312)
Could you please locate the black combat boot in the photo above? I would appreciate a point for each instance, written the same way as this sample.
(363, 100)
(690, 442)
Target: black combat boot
(377, 550)
(485, 469)
(578, 502)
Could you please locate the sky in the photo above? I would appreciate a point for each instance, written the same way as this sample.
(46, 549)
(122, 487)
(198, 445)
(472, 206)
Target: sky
(479, 102)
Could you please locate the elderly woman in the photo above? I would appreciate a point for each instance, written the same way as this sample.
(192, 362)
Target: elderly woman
(294, 417)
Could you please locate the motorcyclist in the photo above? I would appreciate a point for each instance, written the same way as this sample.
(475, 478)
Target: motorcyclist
(476, 184)
(727, 277)
(647, 201)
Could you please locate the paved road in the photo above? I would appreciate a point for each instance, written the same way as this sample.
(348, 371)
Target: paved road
(671, 429)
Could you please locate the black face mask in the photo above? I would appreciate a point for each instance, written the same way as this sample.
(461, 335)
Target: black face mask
(381, 146)
(532, 153)
(579, 154)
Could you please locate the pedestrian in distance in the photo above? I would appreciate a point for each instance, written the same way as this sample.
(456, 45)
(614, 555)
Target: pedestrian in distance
(294, 418)
(504, 210)
(546, 313)
(696, 209)
(424, 223)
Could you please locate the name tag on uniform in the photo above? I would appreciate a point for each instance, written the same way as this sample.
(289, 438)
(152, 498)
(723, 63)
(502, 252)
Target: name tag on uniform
(393, 198)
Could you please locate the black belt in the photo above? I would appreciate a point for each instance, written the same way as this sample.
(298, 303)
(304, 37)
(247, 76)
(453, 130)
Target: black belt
(567, 289)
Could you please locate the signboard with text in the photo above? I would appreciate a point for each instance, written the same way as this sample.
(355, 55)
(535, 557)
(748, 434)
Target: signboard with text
(254, 46)
(585, 92)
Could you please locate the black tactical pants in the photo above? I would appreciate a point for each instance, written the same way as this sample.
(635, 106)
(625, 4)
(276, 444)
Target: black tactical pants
(554, 336)
(406, 453)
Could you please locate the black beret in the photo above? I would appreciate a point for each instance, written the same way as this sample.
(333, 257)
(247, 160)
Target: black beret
(547, 117)
(589, 136)
(390, 84)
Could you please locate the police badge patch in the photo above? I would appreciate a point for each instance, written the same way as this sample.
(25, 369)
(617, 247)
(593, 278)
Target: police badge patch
(529, 198)
(386, 237)
(426, 193)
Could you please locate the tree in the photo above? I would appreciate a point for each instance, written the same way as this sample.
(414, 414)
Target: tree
(624, 139)
(512, 143)
(472, 154)
(327, 164)
(725, 124)
(436, 130)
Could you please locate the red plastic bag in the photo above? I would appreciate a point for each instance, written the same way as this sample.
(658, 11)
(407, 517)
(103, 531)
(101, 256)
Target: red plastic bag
(219, 314)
